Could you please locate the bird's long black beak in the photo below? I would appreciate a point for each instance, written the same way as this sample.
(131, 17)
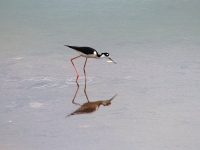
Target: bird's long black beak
(112, 60)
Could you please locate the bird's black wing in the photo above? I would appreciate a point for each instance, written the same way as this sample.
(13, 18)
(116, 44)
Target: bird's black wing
(85, 50)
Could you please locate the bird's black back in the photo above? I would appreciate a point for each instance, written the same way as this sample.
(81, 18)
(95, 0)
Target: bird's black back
(85, 50)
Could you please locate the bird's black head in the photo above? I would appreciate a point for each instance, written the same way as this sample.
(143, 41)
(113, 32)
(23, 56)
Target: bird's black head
(107, 55)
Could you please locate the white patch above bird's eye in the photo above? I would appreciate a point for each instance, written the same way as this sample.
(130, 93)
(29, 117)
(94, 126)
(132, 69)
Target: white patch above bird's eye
(106, 54)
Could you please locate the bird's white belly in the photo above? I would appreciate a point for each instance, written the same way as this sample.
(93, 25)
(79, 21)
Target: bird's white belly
(88, 56)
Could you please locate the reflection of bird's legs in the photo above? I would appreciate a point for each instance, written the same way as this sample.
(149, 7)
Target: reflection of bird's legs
(85, 67)
(86, 92)
(75, 94)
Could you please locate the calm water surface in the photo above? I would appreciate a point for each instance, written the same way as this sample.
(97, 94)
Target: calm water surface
(157, 75)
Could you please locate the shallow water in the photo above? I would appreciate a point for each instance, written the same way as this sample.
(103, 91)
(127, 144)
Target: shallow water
(156, 47)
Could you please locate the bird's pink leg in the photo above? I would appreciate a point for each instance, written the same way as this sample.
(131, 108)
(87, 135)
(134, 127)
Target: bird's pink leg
(85, 67)
(77, 75)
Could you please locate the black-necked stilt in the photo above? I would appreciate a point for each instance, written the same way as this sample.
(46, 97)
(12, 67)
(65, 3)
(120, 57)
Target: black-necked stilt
(90, 107)
(87, 52)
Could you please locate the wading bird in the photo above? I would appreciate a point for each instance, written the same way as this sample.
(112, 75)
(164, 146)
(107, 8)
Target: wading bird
(87, 52)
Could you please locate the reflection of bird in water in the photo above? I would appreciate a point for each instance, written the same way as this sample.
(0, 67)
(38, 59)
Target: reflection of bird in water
(87, 52)
(90, 107)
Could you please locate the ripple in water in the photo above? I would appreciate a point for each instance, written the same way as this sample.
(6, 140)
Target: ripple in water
(49, 82)
(81, 80)
(41, 82)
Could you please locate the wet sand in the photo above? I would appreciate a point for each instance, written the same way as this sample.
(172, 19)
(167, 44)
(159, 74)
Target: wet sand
(157, 103)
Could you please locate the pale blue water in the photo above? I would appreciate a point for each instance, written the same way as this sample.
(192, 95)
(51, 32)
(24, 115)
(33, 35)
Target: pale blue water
(157, 75)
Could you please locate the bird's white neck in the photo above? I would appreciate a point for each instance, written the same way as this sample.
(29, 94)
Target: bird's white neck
(102, 55)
